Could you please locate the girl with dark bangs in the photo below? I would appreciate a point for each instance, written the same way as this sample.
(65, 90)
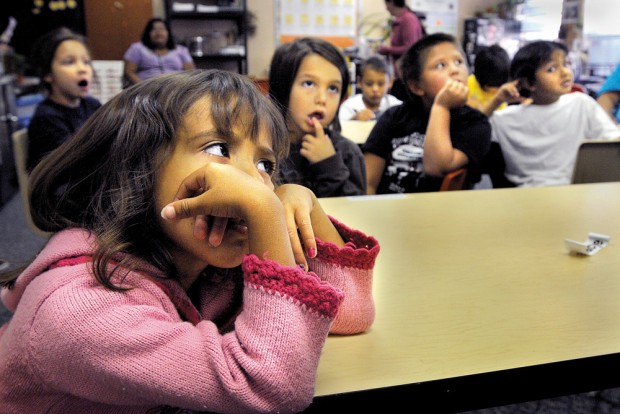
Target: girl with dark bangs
(178, 277)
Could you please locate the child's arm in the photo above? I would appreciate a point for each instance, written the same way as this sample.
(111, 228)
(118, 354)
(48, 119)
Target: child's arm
(375, 165)
(440, 157)
(508, 92)
(227, 192)
(336, 253)
(609, 101)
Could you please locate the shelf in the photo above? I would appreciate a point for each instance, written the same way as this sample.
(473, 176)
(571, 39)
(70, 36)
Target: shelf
(188, 20)
(233, 13)
(218, 57)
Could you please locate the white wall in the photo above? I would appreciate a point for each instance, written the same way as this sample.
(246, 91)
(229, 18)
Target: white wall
(262, 45)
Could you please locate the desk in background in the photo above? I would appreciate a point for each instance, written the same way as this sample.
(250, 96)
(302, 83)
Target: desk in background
(357, 131)
(478, 301)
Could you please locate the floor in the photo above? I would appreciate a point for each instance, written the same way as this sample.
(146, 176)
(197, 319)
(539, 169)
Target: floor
(19, 245)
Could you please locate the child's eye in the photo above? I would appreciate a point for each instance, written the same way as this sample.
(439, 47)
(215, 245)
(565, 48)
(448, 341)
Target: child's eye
(218, 149)
(307, 83)
(440, 65)
(458, 62)
(266, 166)
(334, 89)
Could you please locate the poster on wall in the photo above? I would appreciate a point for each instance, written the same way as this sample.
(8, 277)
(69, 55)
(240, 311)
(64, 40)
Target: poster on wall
(333, 20)
(441, 15)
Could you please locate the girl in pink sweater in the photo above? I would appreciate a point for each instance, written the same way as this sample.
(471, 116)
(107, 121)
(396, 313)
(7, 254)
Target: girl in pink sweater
(178, 277)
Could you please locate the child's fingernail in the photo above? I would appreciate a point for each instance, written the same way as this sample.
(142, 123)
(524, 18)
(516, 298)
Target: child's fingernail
(301, 265)
(312, 252)
(168, 213)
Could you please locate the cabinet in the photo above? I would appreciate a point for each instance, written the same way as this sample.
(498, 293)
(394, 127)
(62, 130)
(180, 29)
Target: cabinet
(213, 30)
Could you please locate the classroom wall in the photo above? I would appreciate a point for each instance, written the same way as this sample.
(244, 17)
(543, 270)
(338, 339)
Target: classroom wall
(262, 45)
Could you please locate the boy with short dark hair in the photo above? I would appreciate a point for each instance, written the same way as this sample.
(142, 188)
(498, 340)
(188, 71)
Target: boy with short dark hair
(539, 141)
(491, 70)
(374, 80)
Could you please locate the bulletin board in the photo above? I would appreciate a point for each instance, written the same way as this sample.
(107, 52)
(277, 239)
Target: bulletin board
(441, 15)
(332, 20)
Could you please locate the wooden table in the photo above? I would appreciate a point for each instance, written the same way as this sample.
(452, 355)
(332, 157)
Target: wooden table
(357, 131)
(479, 303)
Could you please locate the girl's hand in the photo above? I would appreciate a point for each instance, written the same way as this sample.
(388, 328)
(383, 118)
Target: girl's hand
(317, 147)
(452, 95)
(215, 193)
(298, 204)
(305, 220)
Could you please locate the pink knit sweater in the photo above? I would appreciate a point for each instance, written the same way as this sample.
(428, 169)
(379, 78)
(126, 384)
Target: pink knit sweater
(251, 344)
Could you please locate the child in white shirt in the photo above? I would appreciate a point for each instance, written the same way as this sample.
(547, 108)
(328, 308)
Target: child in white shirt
(539, 141)
(374, 81)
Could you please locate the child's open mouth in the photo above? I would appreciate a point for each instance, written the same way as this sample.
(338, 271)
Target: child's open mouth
(315, 115)
(83, 83)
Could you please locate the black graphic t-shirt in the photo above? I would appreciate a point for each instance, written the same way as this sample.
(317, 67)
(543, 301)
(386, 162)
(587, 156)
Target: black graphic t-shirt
(398, 137)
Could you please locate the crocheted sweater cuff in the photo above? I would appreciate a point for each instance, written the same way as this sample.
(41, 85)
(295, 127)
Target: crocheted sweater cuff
(306, 289)
(360, 251)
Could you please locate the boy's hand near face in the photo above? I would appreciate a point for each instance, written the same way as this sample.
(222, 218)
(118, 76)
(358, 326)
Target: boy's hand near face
(440, 157)
(317, 147)
(508, 92)
(452, 95)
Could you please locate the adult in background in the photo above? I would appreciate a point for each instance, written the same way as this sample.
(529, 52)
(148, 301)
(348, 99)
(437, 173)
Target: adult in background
(406, 30)
(155, 54)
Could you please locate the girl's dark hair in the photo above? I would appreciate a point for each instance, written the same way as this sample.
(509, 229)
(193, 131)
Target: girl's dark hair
(44, 49)
(103, 178)
(492, 66)
(146, 34)
(530, 57)
(286, 62)
(412, 62)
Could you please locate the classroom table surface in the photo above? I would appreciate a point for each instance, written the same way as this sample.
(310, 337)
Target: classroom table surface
(478, 301)
(357, 131)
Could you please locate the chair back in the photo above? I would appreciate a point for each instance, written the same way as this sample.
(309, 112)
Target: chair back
(20, 153)
(454, 181)
(597, 162)
(578, 88)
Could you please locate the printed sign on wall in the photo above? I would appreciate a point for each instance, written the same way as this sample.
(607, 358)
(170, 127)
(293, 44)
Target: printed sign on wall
(333, 20)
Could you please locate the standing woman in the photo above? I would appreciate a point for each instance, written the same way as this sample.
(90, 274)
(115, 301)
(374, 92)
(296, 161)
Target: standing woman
(156, 53)
(406, 30)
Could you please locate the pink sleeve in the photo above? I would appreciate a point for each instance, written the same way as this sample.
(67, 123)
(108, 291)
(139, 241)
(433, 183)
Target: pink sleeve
(350, 269)
(131, 348)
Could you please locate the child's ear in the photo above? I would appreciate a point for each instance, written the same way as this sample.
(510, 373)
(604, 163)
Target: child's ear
(415, 88)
